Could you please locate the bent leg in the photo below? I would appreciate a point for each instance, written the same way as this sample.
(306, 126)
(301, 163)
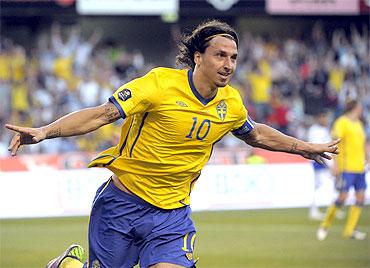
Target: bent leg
(110, 241)
(171, 244)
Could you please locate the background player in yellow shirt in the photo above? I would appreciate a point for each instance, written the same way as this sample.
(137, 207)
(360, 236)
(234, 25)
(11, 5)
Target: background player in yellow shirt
(172, 120)
(349, 168)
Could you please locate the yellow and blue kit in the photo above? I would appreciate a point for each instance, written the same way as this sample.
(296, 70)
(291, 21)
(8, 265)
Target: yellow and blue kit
(351, 165)
(352, 156)
(352, 159)
(168, 134)
(166, 139)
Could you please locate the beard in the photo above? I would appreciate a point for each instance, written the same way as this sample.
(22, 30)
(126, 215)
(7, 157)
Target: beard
(222, 82)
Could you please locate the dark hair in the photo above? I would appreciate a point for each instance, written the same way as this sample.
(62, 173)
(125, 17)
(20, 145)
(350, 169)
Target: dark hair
(322, 111)
(199, 39)
(350, 105)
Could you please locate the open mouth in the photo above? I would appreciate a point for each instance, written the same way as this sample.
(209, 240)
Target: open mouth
(224, 75)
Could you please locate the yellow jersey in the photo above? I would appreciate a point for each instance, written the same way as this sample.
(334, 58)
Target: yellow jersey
(168, 134)
(351, 157)
(20, 98)
(18, 64)
(5, 67)
(336, 78)
(260, 88)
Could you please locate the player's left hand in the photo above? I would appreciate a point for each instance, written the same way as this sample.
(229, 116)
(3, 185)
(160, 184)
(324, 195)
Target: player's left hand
(321, 151)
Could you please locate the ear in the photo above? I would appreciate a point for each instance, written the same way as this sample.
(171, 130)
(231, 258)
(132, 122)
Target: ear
(197, 57)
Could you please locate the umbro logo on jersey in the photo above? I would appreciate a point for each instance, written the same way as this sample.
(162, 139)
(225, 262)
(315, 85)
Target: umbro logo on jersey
(221, 110)
(181, 103)
(124, 94)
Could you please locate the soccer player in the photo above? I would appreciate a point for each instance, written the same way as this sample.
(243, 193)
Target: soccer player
(319, 132)
(172, 120)
(349, 167)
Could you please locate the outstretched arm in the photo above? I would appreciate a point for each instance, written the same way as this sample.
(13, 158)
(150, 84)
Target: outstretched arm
(265, 137)
(73, 124)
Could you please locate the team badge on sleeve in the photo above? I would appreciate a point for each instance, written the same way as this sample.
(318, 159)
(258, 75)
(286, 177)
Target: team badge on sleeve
(222, 110)
(124, 94)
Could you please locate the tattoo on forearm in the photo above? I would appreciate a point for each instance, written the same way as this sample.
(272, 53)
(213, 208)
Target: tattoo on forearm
(55, 133)
(111, 113)
(294, 147)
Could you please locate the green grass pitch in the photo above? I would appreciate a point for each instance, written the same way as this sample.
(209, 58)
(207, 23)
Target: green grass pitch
(251, 238)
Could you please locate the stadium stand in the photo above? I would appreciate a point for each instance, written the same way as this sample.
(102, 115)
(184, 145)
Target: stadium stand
(283, 81)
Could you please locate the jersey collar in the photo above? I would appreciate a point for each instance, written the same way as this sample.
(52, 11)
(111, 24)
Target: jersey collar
(204, 101)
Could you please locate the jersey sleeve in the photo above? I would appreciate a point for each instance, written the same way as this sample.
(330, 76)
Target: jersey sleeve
(244, 125)
(137, 96)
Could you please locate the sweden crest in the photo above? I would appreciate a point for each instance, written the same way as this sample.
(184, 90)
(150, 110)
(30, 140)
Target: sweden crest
(222, 110)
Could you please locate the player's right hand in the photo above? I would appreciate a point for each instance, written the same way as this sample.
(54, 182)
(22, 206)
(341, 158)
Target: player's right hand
(24, 135)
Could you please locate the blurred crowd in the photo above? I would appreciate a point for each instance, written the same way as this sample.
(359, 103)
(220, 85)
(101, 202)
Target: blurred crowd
(288, 81)
(62, 73)
(284, 82)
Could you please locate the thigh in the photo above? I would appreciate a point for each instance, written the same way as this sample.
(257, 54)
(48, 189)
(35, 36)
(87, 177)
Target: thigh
(171, 242)
(360, 182)
(110, 241)
(346, 181)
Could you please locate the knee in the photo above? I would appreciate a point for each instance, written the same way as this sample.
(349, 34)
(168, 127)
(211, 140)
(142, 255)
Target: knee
(360, 199)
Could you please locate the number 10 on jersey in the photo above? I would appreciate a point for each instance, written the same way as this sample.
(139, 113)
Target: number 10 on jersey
(202, 129)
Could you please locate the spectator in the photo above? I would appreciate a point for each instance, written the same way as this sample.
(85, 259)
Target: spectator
(326, 69)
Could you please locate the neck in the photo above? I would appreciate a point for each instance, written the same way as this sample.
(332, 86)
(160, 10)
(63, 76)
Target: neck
(352, 116)
(204, 87)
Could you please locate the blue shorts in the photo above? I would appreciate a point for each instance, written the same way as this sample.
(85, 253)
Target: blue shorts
(125, 230)
(347, 180)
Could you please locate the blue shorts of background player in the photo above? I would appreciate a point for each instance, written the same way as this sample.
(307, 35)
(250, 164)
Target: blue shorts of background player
(125, 229)
(347, 180)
